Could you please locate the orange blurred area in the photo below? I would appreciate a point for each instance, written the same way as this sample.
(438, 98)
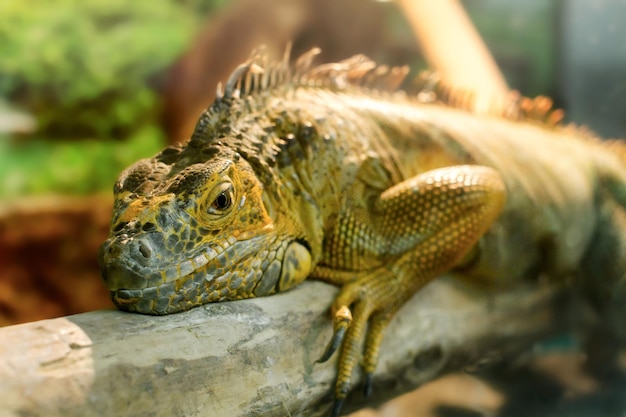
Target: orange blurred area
(48, 264)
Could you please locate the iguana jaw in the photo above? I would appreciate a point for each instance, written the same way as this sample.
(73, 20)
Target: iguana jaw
(239, 270)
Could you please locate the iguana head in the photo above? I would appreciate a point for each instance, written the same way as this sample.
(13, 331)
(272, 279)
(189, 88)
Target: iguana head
(206, 220)
(188, 231)
(211, 220)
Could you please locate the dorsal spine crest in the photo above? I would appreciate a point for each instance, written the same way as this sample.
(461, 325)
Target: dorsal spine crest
(359, 73)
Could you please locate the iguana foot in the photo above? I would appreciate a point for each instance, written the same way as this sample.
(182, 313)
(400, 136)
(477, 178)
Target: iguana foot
(368, 299)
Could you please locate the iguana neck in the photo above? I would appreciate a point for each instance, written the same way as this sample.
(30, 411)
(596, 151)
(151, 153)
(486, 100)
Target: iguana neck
(280, 145)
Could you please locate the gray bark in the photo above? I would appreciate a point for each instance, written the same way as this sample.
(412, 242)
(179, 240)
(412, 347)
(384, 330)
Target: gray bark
(253, 357)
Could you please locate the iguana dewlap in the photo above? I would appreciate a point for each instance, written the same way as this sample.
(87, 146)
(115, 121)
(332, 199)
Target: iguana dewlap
(314, 172)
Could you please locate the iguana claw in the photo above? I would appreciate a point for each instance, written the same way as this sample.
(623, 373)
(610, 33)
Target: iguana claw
(337, 406)
(367, 388)
(343, 318)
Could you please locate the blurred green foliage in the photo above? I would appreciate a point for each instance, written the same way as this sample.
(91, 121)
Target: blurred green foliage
(83, 66)
(86, 70)
(40, 166)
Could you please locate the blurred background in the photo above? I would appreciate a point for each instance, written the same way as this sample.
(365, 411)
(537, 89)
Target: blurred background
(87, 87)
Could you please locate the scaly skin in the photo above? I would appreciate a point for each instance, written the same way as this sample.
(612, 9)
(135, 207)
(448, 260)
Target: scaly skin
(291, 175)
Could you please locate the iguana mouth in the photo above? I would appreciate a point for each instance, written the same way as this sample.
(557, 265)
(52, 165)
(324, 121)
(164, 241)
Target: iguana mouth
(136, 262)
(217, 274)
(175, 288)
(169, 297)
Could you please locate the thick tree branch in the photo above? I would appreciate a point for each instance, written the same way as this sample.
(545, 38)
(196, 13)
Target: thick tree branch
(252, 357)
(453, 47)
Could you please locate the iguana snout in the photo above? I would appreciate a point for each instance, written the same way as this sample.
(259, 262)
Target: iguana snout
(125, 262)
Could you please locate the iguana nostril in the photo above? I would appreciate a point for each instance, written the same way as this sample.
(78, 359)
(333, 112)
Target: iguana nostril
(145, 250)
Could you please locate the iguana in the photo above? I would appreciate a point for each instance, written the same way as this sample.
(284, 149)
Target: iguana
(331, 172)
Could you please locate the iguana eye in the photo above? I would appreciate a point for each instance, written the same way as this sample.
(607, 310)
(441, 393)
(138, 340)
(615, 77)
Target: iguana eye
(223, 201)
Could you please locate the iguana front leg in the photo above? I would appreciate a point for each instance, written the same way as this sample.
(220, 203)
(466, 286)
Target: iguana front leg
(427, 224)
